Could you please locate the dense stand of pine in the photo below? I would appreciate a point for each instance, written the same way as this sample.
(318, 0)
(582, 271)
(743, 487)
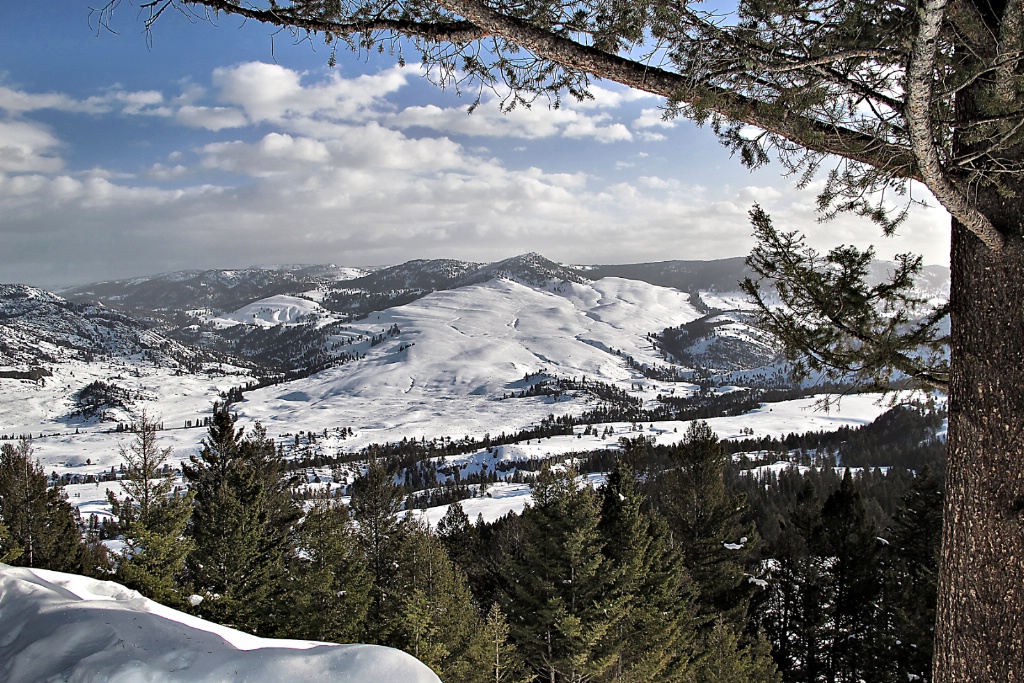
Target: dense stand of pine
(677, 568)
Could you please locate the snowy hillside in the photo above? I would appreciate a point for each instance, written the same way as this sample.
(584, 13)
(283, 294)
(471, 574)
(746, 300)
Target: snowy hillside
(209, 289)
(63, 627)
(458, 352)
(38, 328)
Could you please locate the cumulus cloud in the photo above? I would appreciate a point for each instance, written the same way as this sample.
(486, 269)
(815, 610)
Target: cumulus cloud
(210, 118)
(275, 164)
(273, 93)
(27, 147)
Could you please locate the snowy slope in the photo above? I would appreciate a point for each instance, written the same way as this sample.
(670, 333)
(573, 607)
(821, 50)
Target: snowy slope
(63, 627)
(459, 351)
(282, 309)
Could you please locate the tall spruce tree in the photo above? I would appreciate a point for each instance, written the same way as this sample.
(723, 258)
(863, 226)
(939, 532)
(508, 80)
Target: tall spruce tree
(794, 615)
(9, 550)
(151, 518)
(851, 546)
(376, 501)
(241, 527)
(916, 535)
(706, 524)
(653, 638)
(558, 596)
(492, 657)
(436, 619)
(330, 583)
(43, 527)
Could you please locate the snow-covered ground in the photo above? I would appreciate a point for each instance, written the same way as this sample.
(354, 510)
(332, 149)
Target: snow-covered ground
(275, 310)
(64, 627)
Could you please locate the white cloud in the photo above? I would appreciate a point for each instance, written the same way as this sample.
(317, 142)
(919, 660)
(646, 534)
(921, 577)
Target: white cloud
(531, 123)
(27, 147)
(273, 93)
(210, 118)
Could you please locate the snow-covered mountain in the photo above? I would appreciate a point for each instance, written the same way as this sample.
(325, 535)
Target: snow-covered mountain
(208, 289)
(64, 627)
(39, 329)
(442, 348)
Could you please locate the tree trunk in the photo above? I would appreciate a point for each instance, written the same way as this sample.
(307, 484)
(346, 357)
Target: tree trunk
(980, 617)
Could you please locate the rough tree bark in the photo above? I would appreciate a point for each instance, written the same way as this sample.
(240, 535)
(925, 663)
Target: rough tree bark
(980, 618)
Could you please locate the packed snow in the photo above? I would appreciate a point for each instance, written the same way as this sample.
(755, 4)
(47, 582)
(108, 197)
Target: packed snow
(64, 627)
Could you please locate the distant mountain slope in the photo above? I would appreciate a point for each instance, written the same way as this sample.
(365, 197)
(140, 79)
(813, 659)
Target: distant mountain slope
(722, 275)
(38, 328)
(463, 351)
(220, 290)
(405, 283)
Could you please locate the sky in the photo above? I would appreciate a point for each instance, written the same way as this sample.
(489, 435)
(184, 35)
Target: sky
(231, 144)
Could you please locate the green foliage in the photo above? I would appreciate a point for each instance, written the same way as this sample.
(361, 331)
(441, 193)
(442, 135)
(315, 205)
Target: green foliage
(833, 323)
(706, 524)
(653, 638)
(725, 659)
(560, 608)
(42, 526)
(330, 582)
(241, 524)
(432, 613)
(491, 656)
(912, 581)
(151, 518)
(376, 501)
(9, 550)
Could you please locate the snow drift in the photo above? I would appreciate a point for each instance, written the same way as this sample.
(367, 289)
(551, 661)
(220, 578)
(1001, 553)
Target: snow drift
(63, 627)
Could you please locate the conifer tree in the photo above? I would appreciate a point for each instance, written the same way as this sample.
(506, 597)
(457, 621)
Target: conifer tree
(559, 606)
(375, 502)
(915, 543)
(727, 660)
(331, 591)
(794, 615)
(42, 525)
(854, 574)
(653, 638)
(241, 527)
(9, 550)
(436, 617)
(492, 657)
(706, 526)
(151, 519)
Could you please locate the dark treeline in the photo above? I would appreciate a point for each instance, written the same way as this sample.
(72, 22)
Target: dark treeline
(681, 567)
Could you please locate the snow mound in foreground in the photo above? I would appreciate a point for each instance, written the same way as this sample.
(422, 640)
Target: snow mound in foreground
(63, 627)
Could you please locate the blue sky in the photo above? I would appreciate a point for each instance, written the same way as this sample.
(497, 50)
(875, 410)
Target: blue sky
(231, 145)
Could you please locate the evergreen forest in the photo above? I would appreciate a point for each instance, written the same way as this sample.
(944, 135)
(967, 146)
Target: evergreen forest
(681, 565)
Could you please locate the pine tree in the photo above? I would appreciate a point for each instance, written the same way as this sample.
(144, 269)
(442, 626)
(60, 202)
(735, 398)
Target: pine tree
(854, 573)
(151, 519)
(375, 503)
(330, 593)
(794, 615)
(42, 525)
(652, 639)
(557, 594)
(492, 657)
(436, 617)
(727, 660)
(912, 583)
(705, 520)
(9, 550)
(241, 527)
